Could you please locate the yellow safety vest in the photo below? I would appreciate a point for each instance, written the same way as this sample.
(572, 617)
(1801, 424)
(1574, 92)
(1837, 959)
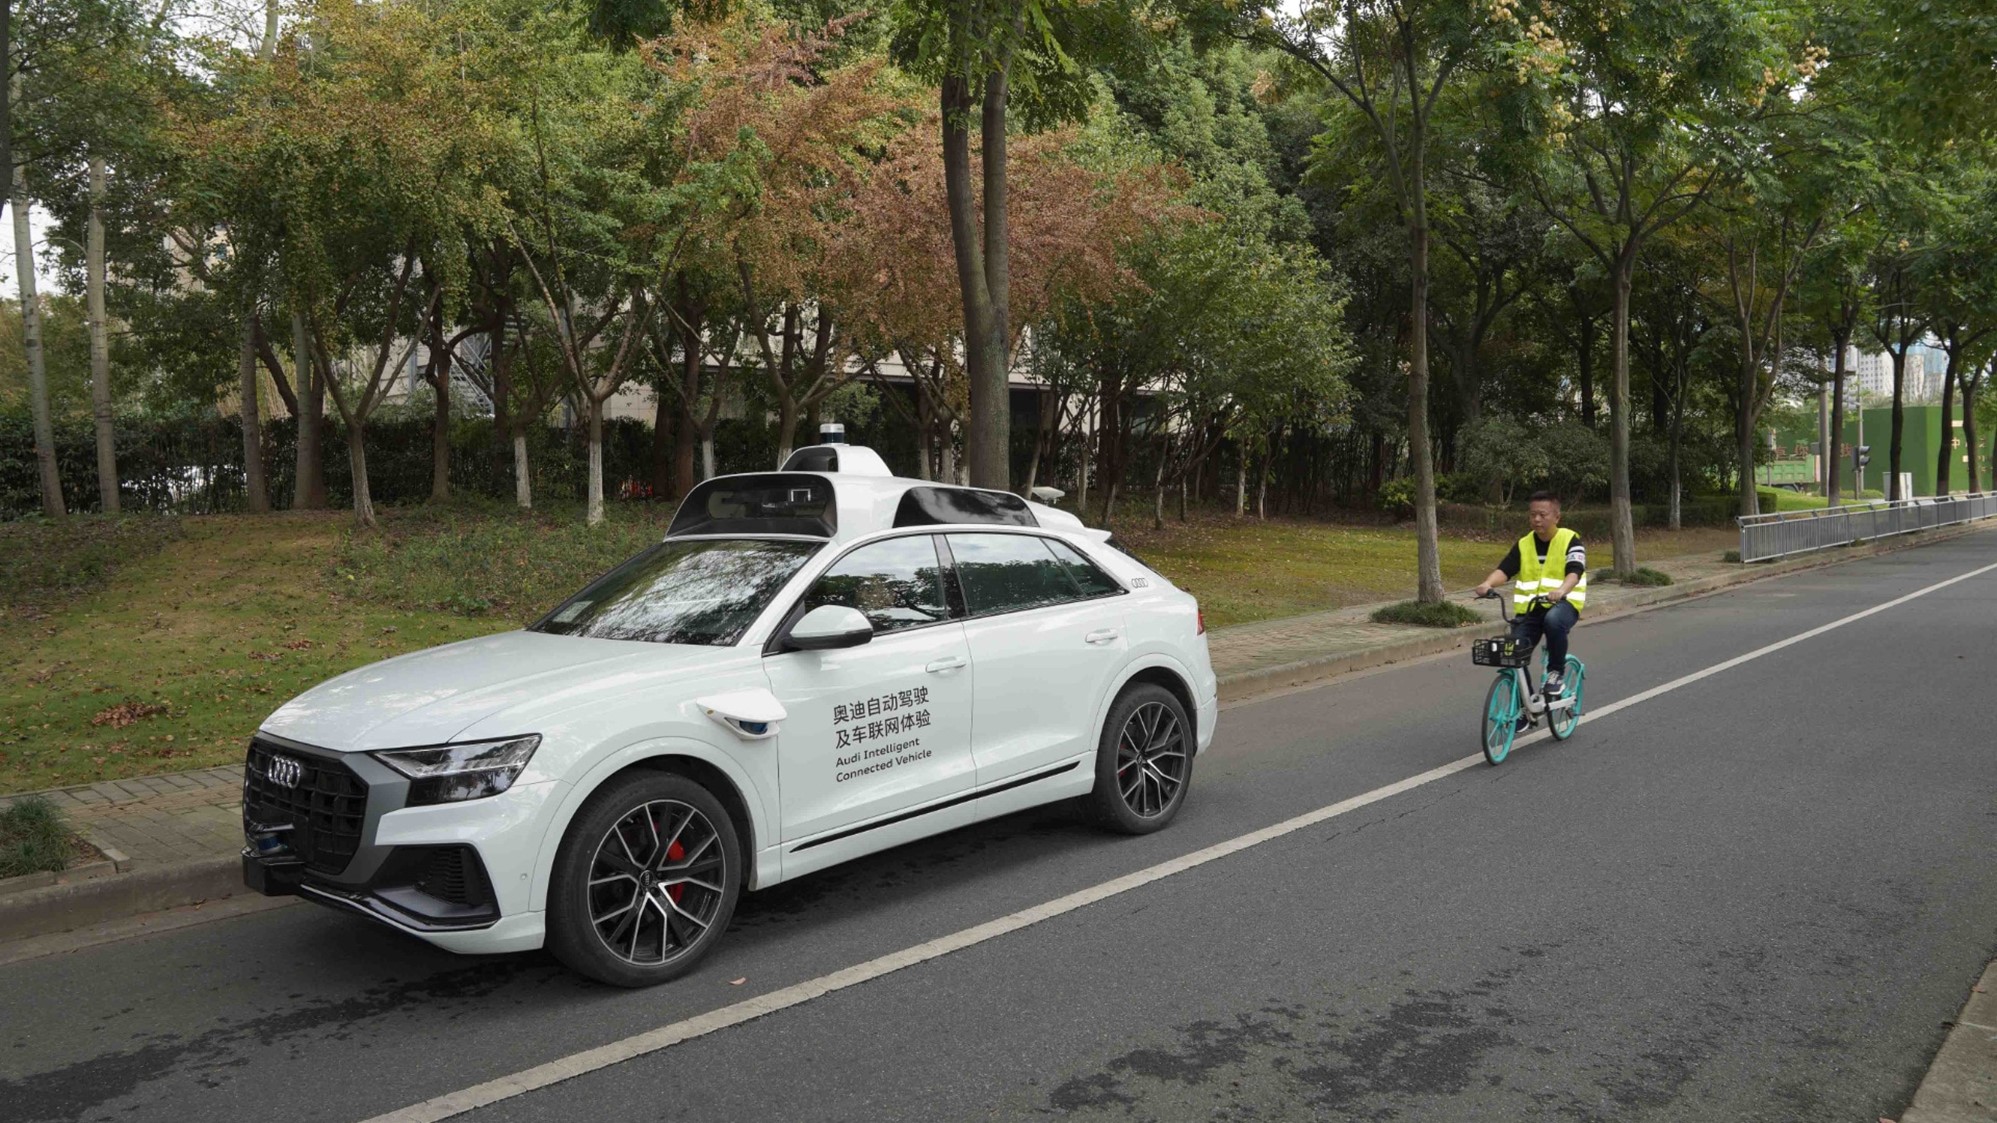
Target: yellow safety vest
(1541, 579)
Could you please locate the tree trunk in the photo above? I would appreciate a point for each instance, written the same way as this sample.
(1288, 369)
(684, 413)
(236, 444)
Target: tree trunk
(925, 441)
(1241, 482)
(357, 462)
(250, 413)
(309, 481)
(786, 427)
(1970, 384)
(31, 337)
(1158, 493)
(687, 438)
(1428, 551)
(663, 443)
(1823, 436)
(1833, 448)
(1585, 360)
(523, 488)
(100, 346)
(1082, 457)
(1749, 496)
(987, 440)
(1946, 454)
(501, 358)
(707, 470)
(1677, 480)
(1262, 484)
(440, 416)
(1898, 423)
(595, 515)
(1622, 528)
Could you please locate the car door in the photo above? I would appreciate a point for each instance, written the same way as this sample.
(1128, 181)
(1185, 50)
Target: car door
(1044, 647)
(884, 726)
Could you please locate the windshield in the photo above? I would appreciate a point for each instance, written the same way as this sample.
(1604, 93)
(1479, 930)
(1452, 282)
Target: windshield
(704, 592)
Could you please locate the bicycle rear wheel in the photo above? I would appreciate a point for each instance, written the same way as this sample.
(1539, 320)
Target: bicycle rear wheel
(1501, 715)
(1562, 723)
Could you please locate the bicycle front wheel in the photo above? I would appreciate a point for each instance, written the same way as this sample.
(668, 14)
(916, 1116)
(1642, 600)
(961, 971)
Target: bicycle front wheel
(1501, 716)
(1564, 722)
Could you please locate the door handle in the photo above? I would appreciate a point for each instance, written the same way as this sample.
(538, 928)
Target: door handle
(941, 665)
(1105, 635)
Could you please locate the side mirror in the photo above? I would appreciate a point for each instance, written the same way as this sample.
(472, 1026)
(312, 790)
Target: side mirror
(829, 626)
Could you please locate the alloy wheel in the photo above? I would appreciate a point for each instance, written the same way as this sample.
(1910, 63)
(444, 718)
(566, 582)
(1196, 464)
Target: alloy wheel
(655, 883)
(1151, 759)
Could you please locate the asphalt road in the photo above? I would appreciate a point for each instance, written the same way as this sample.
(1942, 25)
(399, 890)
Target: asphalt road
(1759, 896)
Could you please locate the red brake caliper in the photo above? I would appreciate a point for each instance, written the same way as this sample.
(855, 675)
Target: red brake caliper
(674, 853)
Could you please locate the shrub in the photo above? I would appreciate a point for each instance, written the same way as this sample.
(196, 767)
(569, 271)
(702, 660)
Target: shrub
(33, 837)
(1398, 496)
(1644, 575)
(1447, 614)
(1730, 556)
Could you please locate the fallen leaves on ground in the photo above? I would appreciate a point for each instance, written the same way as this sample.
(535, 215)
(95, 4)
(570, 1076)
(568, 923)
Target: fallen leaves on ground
(125, 713)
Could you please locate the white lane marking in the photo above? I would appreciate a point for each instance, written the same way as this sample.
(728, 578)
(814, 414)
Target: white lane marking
(664, 1037)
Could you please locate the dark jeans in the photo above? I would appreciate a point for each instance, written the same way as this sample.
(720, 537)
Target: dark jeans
(1554, 623)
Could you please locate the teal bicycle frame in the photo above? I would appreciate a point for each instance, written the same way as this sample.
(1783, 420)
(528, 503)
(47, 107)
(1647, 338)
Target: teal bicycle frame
(1514, 694)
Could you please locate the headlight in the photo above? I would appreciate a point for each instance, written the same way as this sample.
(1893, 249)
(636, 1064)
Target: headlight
(453, 773)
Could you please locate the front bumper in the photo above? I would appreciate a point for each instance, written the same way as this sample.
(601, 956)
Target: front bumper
(455, 874)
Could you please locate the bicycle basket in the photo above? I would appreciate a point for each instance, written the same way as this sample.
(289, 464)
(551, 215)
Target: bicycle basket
(1504, 651)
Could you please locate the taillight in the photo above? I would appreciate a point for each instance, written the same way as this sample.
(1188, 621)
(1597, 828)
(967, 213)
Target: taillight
(1200, 614)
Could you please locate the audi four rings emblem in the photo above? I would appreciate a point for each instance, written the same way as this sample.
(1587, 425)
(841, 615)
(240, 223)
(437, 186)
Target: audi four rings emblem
(285, 772)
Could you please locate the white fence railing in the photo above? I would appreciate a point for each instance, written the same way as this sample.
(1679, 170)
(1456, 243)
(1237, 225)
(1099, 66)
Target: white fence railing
(1794, 532)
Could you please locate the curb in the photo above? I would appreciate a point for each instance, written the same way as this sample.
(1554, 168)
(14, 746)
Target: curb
(1961, 1085)
(1243, 685)
(74, 904)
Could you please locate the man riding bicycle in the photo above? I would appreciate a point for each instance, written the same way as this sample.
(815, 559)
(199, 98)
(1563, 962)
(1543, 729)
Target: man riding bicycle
(1548, 563)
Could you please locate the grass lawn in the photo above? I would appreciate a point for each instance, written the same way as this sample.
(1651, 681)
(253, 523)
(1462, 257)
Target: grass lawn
(1246, 570)
(160, 645)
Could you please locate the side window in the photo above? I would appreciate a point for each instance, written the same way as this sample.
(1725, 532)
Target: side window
(1094, 582)
(1009, 572)
(895, 584)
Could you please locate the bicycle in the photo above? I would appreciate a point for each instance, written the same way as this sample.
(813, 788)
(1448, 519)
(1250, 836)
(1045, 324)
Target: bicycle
(1513, 692)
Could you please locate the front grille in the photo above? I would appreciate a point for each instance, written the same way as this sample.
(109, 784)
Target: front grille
(326, 809)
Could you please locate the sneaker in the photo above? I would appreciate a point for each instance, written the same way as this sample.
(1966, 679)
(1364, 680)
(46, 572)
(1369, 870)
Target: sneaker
(1554, 684)
(1524, 723)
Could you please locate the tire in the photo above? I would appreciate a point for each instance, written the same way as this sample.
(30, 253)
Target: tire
(1144, 762)
(1563, 725)
(637, 840)
(1501, 715)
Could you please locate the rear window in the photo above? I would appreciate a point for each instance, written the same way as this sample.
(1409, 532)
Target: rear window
(1009, 573)
(704, 593)
(768, 503)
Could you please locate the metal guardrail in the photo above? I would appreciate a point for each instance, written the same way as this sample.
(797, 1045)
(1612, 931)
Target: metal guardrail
(1795, 532)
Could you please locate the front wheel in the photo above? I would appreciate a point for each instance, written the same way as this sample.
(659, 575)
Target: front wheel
(645, 881)
(1143, 763)
(1501, 716)
(1564, 722)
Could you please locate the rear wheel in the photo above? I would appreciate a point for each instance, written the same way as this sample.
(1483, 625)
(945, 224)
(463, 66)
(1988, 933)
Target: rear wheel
(1144, 761)
(1501, 715)
(645, 881)
(1563, 722)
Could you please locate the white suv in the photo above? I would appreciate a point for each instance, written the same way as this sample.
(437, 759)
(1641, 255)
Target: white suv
(815, 664)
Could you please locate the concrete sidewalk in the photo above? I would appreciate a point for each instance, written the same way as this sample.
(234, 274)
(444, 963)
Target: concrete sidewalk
(174, 839)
